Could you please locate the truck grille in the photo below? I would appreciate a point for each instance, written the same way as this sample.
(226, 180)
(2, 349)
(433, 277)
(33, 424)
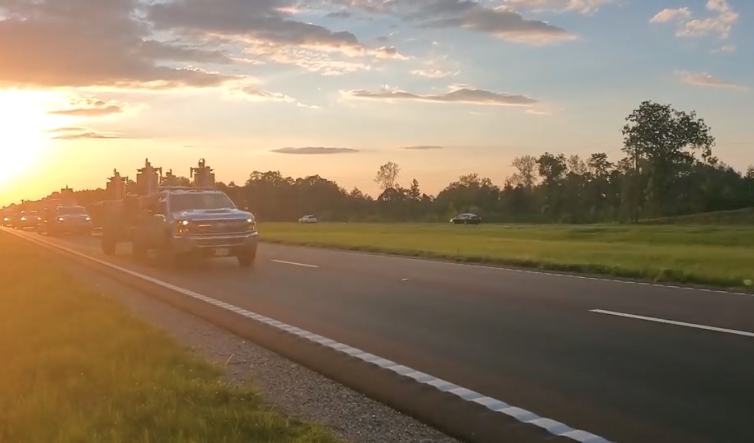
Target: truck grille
(219, 226)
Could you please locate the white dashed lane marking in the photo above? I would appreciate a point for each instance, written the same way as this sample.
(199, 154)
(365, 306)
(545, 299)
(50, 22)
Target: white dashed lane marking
(293, 263)
(675, 323)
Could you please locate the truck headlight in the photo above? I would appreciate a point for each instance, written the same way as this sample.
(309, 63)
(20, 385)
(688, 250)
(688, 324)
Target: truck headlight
(88, 219)
(252, 224)
(23, 218)
(182, 226)
(60, 219)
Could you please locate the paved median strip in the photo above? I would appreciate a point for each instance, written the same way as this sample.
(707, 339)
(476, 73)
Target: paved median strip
(674, 323)
(553, 427)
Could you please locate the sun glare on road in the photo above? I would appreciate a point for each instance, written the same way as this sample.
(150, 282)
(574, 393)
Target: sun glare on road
(24, 124)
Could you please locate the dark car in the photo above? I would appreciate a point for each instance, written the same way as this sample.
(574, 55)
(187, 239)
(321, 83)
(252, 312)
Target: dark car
(26, 220)
(466, 219)
(65, 220)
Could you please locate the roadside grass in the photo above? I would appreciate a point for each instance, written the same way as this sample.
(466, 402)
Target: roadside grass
(743, 216)
(708, 255)
(78, 367)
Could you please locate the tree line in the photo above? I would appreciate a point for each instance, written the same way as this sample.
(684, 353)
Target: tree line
(667, 169)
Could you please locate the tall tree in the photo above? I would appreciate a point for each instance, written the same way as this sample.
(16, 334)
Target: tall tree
(526, 175)
(664, 140)
(387, 176)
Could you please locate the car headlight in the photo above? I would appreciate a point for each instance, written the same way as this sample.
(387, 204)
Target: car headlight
(23, 218)
(60, 219)
(252, 224)
(39, 218)
(88, 219)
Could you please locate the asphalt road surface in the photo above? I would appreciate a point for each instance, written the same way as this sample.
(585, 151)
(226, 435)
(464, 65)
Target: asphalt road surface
(630, 362)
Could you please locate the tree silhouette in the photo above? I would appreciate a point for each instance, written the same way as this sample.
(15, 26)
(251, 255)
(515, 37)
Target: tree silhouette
(387, 176)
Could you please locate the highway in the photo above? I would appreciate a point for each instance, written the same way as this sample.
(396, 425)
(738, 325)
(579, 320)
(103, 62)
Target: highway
(633, 363)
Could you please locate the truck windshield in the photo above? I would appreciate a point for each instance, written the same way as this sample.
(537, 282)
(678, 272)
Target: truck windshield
(186, 202)
(72, 210)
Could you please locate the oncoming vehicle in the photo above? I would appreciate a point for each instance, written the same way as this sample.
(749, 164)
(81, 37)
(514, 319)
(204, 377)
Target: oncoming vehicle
(26, 219)
(65, 220)
(308, 219)
(181, 223)
(7, 218)
(466, 219)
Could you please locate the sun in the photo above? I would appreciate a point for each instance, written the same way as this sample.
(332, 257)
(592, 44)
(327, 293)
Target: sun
(23, 124)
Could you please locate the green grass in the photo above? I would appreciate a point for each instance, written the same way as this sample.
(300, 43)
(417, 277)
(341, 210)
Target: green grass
(743, 216)
(710, 255)
(77, 367)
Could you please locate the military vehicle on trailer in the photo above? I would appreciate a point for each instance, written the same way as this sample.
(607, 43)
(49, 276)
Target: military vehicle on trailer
(179, 222)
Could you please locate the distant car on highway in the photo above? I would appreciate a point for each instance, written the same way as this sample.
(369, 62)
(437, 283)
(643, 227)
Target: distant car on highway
(65, 220)
(466, 219)
(7, 219)
(26, 220)
(308, 219)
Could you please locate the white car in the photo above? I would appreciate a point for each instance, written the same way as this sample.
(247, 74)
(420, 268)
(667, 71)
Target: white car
(308, 219)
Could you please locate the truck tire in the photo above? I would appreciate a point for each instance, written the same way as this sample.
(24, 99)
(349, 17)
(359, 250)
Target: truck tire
(246, 259)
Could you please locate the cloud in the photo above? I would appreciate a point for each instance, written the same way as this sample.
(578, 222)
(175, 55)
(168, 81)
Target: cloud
(433, 73)
(256, 93)
(80, 43)
(708, 80)
(720, 24)
(90, 107)
(339, 14)
(500, 22)
(457, 94)
(669, 14)
(270, 23)
(74, 133)
(315, 151)
(726, 48)
(422, 148)
(580, 6)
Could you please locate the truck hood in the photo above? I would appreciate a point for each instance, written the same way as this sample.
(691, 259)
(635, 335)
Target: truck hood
(212, 214)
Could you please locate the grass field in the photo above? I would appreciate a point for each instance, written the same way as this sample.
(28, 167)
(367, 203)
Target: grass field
(77, 367)
(720, 256)
(743, 216)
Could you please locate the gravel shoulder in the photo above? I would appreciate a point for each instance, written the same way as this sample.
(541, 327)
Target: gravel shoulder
(287, 386)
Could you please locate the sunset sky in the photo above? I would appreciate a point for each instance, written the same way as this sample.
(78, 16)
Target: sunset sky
(338, 87)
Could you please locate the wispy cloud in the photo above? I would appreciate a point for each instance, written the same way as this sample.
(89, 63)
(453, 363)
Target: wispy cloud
(422, 148)
(463, 95)
(500, 22)
(580, 6)
(705, 79)
(90, 107)
(434, 73)
(720, 24)
(315, 151)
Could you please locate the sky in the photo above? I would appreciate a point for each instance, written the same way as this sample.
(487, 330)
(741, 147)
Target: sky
(338, 87)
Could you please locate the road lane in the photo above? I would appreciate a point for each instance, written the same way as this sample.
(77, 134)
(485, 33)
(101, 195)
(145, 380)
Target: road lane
(717, 309)
(630, 381)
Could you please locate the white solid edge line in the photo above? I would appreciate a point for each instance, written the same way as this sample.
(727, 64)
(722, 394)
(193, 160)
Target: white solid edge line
(553, 427)
(521, 271)
(676, 323)
(295, 263)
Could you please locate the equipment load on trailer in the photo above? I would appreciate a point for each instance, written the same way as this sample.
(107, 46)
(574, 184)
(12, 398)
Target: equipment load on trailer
(179, 222)
(203, 176)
